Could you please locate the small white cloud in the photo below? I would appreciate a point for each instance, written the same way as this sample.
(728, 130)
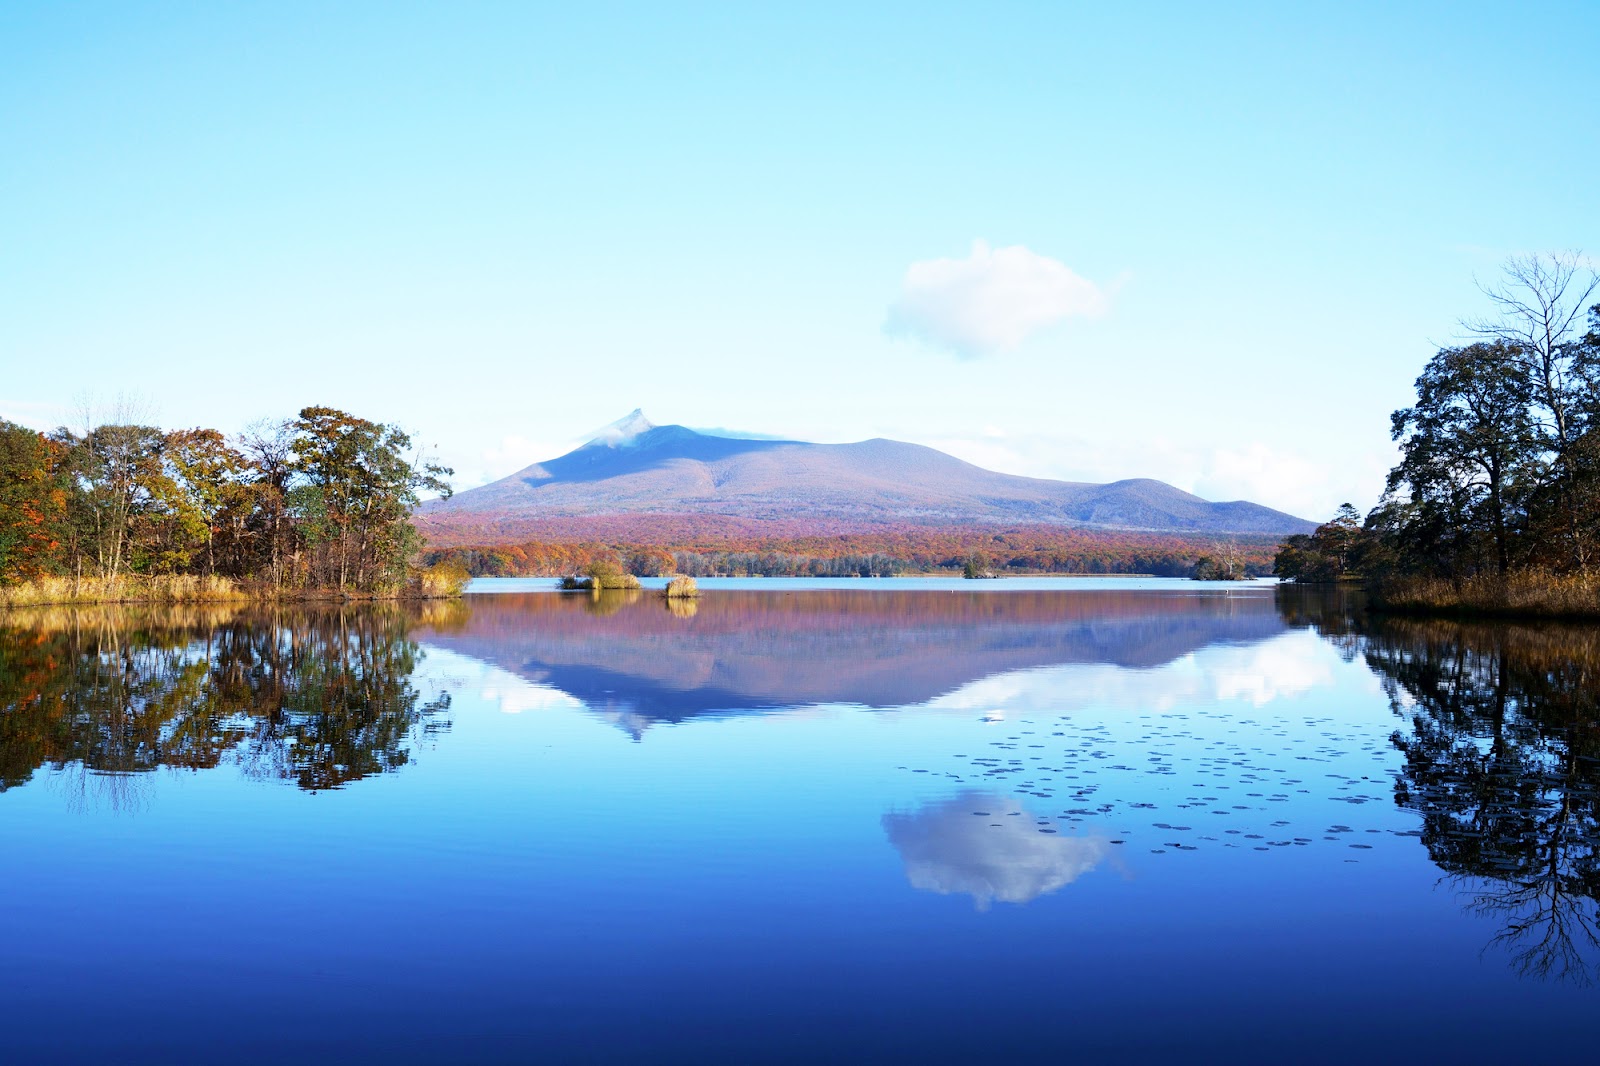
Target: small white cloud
(1291, 482)
(991, 301)
(515, 452)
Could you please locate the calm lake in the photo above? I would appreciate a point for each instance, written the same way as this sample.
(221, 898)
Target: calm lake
(898, 820)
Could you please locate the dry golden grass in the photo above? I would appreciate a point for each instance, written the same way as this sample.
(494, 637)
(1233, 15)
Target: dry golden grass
(439, 582)
(170, 588)
(1522, 595)
(682, 588)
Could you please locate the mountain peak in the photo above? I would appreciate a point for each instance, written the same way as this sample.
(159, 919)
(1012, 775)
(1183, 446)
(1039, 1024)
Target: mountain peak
(630, 426)
(634, 467)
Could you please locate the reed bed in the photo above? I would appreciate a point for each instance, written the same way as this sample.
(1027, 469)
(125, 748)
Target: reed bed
(441, 582)
(1521, 595)
(166, 588)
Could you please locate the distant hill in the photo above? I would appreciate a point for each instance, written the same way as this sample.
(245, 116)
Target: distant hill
(635, 468)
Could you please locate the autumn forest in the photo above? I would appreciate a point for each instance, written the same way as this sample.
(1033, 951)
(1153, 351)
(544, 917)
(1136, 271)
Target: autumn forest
(319, 502)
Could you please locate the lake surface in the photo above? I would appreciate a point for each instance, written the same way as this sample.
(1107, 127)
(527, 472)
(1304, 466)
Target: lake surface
(890, 821)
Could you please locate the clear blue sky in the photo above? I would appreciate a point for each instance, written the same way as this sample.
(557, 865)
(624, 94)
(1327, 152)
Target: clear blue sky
(502, 226)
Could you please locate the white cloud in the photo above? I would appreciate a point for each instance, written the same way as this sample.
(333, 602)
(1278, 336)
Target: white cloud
(989, 302)
(1291, 482)
(513, 453)
(1256, 472)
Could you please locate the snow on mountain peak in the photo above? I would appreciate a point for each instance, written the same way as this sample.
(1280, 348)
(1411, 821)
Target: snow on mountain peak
(628, 427)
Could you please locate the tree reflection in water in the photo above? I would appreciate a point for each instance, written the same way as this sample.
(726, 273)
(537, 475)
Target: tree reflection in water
(1502, 761)
(318, 696)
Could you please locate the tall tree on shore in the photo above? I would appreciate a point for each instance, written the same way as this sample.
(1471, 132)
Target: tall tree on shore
(268, 448)
(357, 488)
(213, 499)
(1539, 307)
(1469, 447)
(120, 480)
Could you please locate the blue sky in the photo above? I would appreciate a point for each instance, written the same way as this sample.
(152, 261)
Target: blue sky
(1211, 244)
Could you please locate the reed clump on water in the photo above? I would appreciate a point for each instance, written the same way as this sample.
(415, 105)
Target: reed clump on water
(1525, 594)
(682, 588)
(602, 575)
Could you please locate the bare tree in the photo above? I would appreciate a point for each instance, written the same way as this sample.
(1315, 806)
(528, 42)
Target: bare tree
(1539, 304)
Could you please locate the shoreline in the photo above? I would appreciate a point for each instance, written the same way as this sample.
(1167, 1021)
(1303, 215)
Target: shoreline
(1526, 597)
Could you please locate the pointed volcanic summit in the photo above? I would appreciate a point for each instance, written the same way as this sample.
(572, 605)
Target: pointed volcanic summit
(634, 467)
(629, 426)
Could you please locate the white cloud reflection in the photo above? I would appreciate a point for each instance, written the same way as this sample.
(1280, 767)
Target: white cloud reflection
(988, 847)
(1283, 667)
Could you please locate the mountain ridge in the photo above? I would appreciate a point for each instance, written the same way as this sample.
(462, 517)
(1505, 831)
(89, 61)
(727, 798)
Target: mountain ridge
(634, 467)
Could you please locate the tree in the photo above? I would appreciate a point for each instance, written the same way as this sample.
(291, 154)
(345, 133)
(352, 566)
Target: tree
(268, 448)
(1224, 563)
(32, 503)
(1470, 446)
(1539, 305)
(1339, 548)
(119, 481)
(356, 490)
(213, 497)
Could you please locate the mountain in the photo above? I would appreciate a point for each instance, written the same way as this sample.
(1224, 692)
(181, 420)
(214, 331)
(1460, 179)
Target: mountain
(634, 467)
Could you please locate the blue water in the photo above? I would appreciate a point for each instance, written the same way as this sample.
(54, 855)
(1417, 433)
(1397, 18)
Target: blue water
(1035, 821)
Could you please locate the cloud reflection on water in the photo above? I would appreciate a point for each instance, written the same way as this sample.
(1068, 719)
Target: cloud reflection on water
(1282, 667)
(989, 847)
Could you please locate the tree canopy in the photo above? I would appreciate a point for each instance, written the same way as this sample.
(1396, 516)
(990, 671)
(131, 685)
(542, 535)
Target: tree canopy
(319, 501)
(1499, 468)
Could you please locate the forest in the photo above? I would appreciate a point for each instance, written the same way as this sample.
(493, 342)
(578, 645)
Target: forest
(653, 545)
(317, 503)
(1495, 502)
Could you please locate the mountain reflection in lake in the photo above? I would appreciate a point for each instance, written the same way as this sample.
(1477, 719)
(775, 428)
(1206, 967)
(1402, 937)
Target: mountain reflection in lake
(1232, 824)
(639, 661)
